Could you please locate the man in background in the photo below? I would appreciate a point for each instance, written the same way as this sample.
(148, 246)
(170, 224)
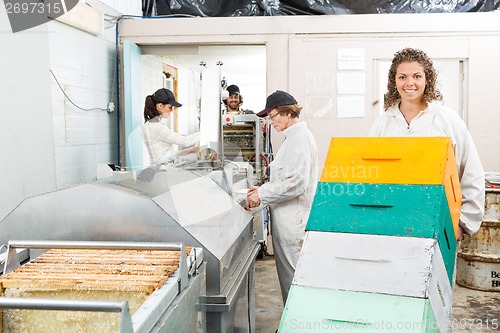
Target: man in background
(234, 101)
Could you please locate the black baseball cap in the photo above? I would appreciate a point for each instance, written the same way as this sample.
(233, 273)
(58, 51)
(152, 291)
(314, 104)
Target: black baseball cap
(233, 89)
(165, 96)
(277, 98)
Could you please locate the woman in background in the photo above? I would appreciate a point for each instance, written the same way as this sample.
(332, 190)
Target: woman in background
(413, 108)
(160, 139)
(292, 184)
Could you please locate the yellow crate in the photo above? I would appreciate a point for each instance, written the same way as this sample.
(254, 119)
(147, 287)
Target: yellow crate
(396, 160)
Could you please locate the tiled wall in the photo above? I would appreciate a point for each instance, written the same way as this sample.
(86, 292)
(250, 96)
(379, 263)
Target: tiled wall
(85, 134)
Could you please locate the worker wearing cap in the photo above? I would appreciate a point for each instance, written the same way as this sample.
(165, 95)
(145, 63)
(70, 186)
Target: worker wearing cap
(234, 101)
(292, 184)
(160, 139)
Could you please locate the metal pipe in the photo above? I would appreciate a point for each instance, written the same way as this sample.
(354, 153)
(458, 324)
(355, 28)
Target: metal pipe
(52, 244)
(61, 304)
(221, 133)
(202, 65)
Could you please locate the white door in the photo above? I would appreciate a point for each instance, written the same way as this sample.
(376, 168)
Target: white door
(133, 106)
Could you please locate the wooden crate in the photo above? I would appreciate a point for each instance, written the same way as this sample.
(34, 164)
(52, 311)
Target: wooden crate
(386, 209)
(400, 266)
(310, 309)
(397, 160)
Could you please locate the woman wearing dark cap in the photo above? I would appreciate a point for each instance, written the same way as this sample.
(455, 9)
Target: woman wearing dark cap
(160, 139)
(292, 184)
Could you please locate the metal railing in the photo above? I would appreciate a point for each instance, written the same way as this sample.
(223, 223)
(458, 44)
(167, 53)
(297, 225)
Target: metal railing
(72, 305)
(126, 325)
(12, 261)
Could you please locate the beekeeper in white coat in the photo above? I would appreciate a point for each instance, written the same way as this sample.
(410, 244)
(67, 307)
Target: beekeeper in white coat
(292, 185)
(413, 107)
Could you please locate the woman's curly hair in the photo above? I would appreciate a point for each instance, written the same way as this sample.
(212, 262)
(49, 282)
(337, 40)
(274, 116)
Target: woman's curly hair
(431, 92)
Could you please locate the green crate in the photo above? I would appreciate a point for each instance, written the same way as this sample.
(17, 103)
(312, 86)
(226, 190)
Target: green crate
(386, 209)
(311, 309)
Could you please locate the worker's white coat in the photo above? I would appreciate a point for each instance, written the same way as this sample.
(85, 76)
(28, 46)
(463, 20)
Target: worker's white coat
(290, 192)
(439, 120)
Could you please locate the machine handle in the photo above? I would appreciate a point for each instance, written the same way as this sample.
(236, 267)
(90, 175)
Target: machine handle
(371, 205)
(72, 305)
(381, 158)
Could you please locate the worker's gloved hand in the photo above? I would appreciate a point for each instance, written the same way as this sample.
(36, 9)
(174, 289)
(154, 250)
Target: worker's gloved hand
(253, 199)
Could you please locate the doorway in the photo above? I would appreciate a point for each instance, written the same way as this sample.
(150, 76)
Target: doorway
(202, 73)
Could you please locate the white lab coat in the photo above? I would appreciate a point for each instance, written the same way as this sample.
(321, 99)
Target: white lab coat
(439, 120)
(290, 193)
(160, 140)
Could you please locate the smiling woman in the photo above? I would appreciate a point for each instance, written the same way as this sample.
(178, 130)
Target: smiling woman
(413, 108)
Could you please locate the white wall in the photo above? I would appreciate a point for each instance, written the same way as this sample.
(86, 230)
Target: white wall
(298, 46)
(27, 165)
(46, 142)
(84, 65)
(317, 56)
(484, 104)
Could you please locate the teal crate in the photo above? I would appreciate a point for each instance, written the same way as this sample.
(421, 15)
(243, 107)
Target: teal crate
(386, 209)
(311, 309)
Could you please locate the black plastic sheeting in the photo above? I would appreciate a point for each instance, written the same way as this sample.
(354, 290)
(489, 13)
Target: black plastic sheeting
(225, 8)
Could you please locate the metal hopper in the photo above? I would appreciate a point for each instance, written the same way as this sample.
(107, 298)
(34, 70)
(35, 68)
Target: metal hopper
(164, 204)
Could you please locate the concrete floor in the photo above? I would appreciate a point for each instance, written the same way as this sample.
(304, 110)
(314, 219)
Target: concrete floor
(473, 311)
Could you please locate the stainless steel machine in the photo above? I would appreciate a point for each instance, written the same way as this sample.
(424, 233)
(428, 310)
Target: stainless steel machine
(158, 204)
(171, 307)
(246, 139)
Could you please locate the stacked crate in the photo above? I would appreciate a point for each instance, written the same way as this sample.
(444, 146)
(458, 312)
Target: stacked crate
(380, 246)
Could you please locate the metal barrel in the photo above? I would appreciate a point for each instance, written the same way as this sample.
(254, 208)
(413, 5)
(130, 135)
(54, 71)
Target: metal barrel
(478, 258)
